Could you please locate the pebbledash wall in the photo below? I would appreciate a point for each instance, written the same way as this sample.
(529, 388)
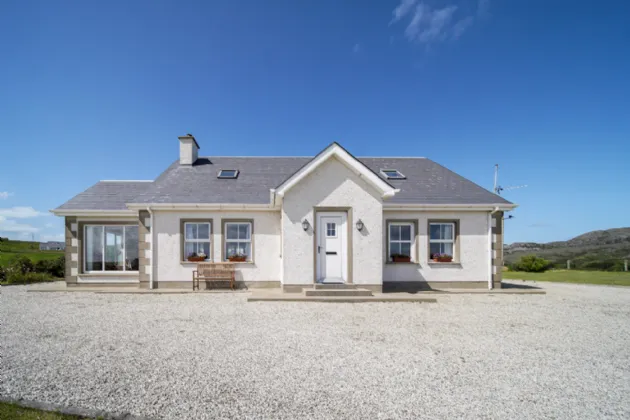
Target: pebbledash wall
(263, 271)
(332, 186)
(472, 250)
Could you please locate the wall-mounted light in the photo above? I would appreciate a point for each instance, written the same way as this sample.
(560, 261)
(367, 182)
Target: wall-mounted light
(305, 225)
(359, 225)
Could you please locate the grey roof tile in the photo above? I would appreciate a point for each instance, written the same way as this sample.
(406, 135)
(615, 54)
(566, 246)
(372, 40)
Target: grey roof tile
(426, 183)
(106, 195)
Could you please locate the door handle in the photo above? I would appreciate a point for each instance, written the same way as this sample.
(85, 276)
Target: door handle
(319, 249)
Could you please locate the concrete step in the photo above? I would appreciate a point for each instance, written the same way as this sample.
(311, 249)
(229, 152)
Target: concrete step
(334, 286)
(337, 292)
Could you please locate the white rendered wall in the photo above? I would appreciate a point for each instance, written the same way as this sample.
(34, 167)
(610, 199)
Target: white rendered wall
(473, 249)
(332, 185)
(265, 241)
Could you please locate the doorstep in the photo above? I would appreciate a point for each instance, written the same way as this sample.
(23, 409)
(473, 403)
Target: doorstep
(279, 296)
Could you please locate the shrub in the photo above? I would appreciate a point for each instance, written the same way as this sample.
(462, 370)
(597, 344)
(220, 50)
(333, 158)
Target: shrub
(42, 266)
(531, 264)
(14, 277)
(57, 267)
(20, 264)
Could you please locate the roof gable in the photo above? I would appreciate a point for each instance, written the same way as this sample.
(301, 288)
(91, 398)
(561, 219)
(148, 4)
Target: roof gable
(335, 150)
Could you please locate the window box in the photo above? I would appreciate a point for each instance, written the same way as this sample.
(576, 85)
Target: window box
(399, 258)
(237, 258)
(442, 258)
(194, 258)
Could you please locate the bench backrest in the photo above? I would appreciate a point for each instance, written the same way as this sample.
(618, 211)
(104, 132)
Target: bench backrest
(212, 269)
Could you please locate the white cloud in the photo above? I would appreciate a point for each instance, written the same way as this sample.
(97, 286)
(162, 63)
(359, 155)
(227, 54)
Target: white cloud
(460, 27)
(15, 227)
(21, 212)
(55, 238)
(402, 10)
(4, 195)
(357, 48)
(428, 25)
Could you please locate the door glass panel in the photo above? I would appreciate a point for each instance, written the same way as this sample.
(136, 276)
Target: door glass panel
(131, 248)
(114, 248)
(94, 248)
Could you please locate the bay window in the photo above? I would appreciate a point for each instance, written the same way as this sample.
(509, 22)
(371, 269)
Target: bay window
(110, 248)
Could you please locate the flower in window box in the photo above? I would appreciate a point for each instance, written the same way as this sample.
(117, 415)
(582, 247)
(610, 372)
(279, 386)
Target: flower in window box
(194, 257)
(237, 257)
(442, 258)
(401, 258)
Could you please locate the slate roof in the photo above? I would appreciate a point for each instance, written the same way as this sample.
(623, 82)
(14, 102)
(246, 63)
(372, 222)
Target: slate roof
(106, 195)
(426, 183)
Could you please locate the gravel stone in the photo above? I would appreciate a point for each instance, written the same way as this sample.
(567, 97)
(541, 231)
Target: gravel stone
(564, 355)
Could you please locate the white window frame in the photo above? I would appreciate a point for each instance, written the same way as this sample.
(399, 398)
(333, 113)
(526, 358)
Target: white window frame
(124, 241)
(227, 240)
(411, 241)
(209, 240)
(444, 241)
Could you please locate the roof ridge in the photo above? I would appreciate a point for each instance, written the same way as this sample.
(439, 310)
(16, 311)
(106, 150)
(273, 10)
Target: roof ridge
(259, 157)
(126, 180)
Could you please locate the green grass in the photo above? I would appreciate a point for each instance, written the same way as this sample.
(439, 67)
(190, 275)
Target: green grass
(574, 276)
(34, 256)
(10, 248)
(12, 411)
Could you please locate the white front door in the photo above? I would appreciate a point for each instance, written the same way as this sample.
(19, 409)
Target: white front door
(331, 247)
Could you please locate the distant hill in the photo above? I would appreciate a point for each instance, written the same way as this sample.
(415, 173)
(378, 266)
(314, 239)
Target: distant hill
(600, 246)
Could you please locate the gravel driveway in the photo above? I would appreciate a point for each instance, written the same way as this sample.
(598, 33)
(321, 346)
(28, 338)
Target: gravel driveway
(563, 355)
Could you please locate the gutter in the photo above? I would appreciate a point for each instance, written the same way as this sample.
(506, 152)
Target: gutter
(490, 253)
(152, 250)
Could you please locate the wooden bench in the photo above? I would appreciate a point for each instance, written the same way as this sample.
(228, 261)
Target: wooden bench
(213, 271)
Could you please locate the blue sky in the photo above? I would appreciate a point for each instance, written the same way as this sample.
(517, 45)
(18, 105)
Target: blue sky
(101, 90)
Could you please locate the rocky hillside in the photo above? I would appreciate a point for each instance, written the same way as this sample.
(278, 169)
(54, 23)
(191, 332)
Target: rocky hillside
(600, 245)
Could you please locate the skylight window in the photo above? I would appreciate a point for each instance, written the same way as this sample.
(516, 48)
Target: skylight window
(392, 174)
(228, 174)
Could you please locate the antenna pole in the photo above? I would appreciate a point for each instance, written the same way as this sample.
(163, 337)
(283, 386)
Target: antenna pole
(496, 178)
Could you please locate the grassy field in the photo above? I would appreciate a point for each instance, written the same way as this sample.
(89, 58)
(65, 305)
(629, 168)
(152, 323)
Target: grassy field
(574, 276)
(12, 411)
(31, 249)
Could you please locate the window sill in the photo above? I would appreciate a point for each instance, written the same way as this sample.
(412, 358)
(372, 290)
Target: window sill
(209, 261)
(401, 263)
(110, 273)
(445, 264)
